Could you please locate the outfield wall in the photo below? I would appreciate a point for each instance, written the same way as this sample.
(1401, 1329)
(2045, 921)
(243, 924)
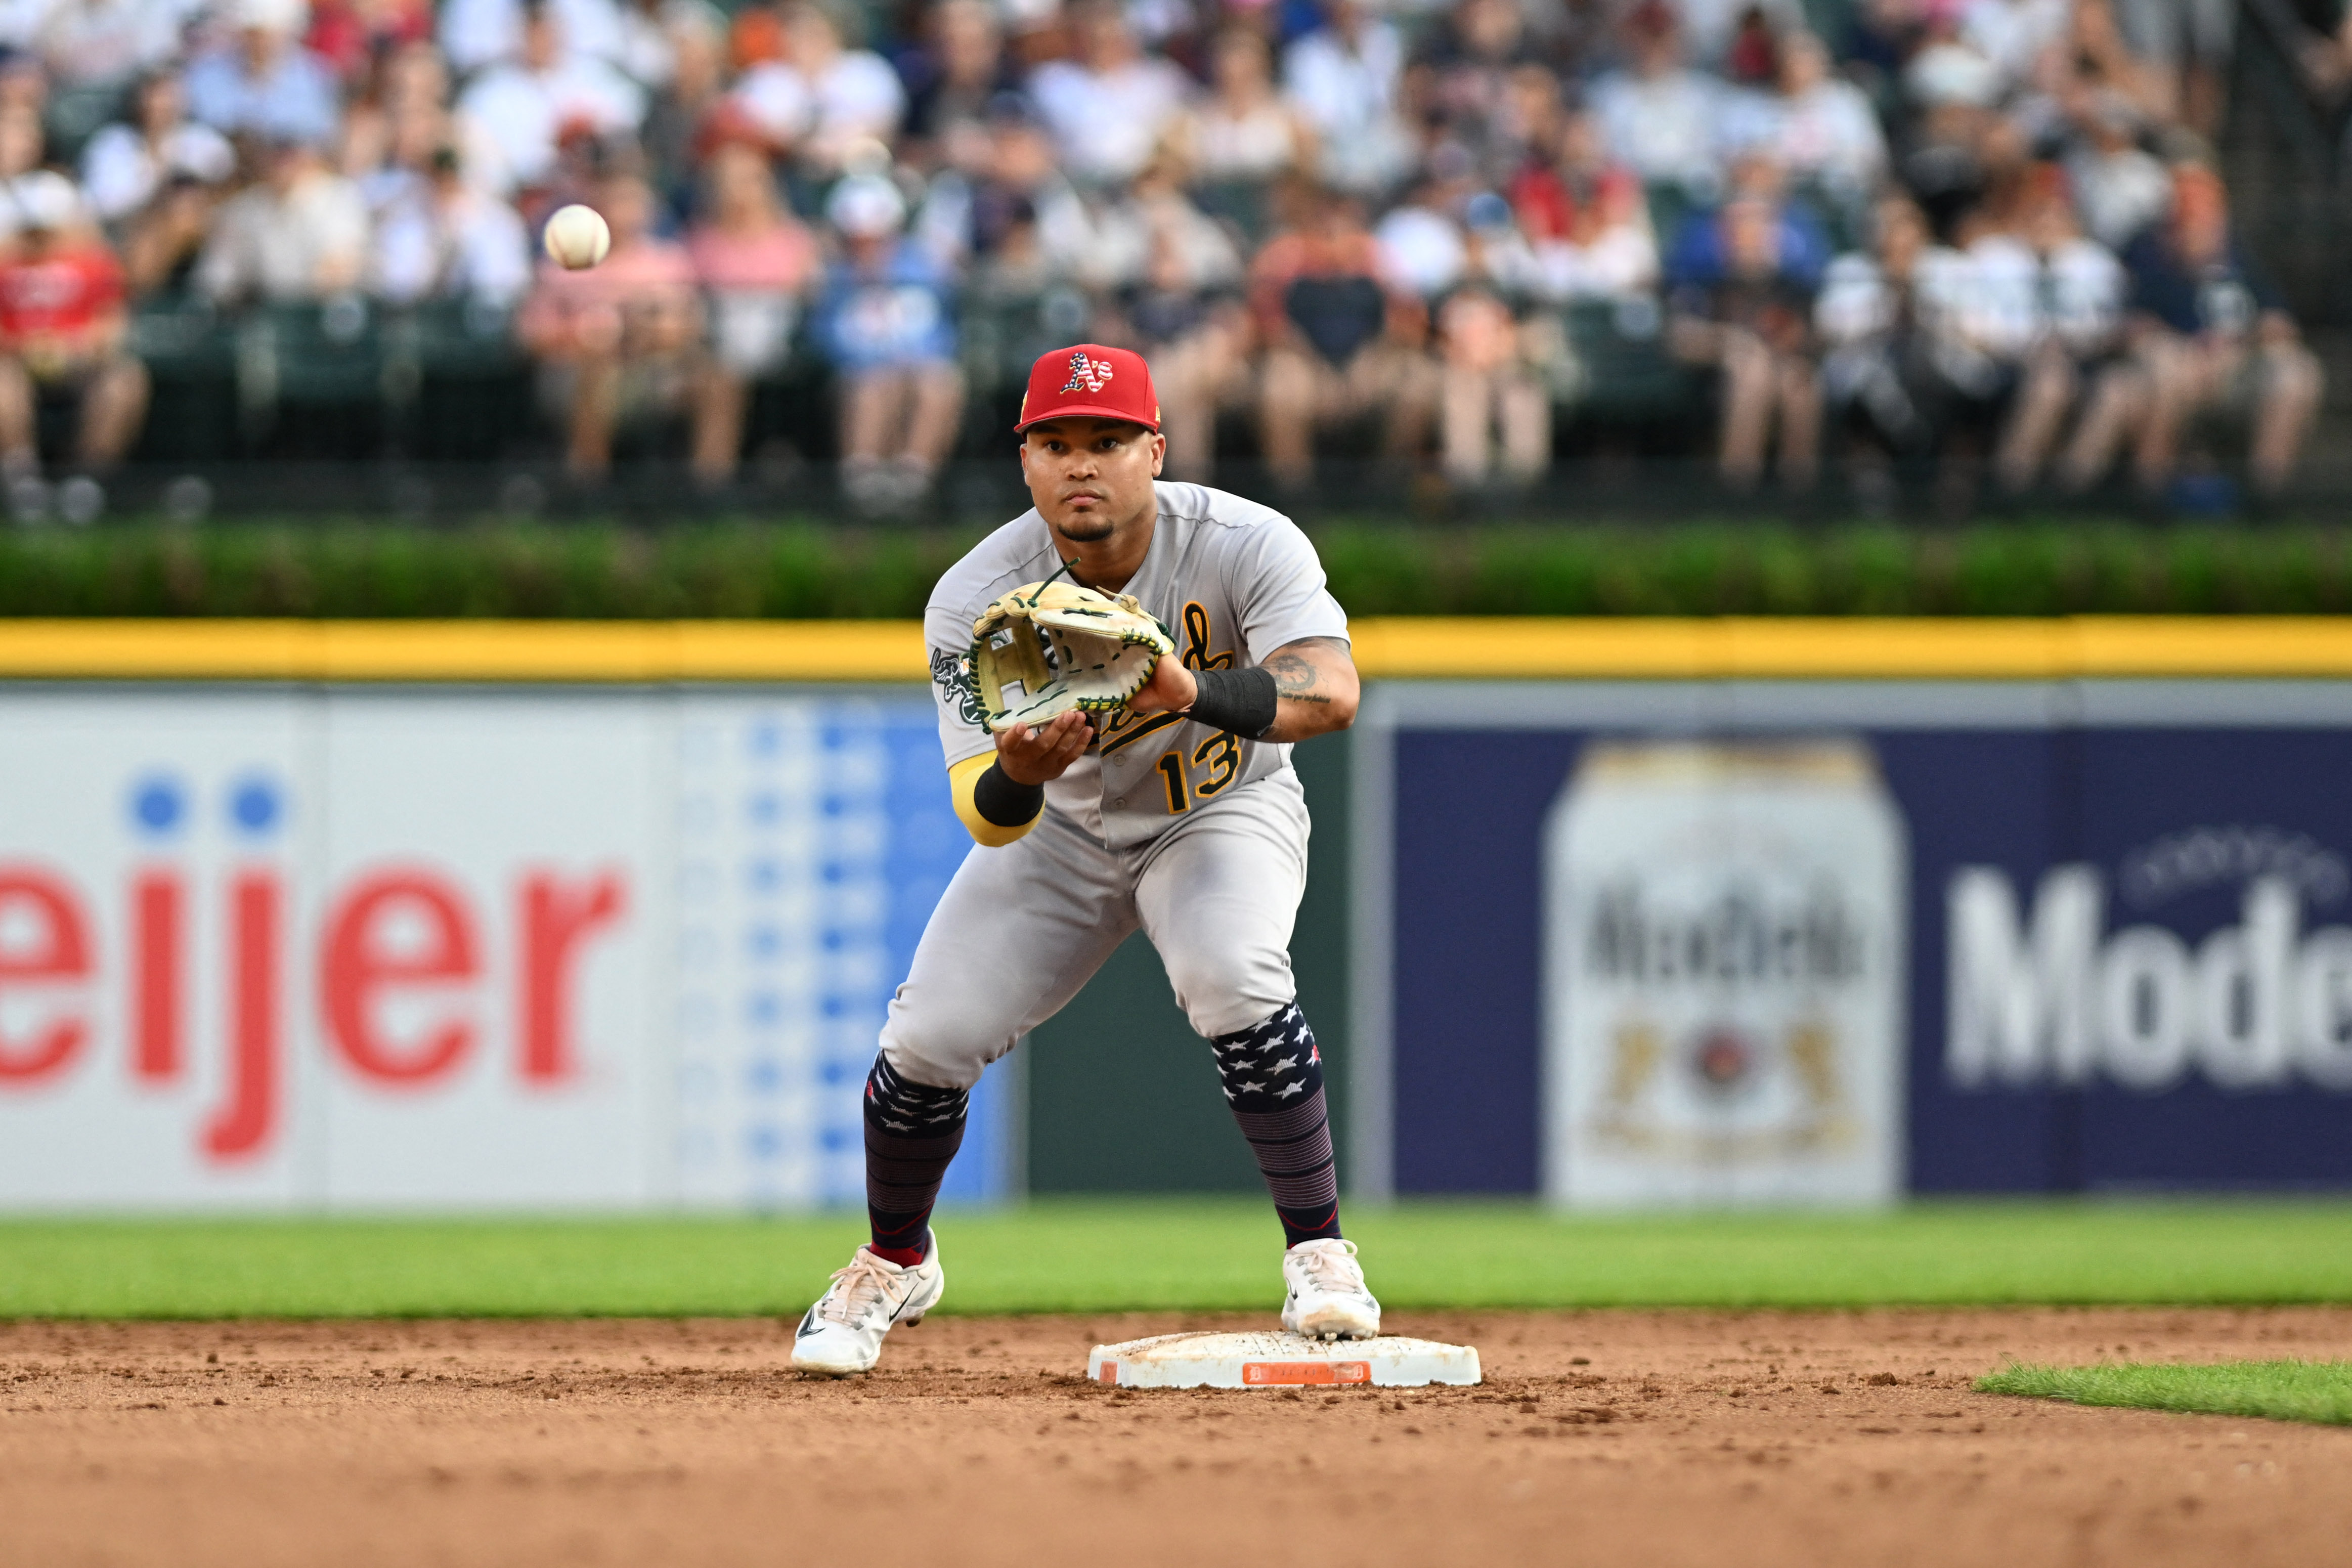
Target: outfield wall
(2094, 930)
(511, 915)
(458, 946)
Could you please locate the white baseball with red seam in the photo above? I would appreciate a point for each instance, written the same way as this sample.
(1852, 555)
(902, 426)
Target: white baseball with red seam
(577, 237)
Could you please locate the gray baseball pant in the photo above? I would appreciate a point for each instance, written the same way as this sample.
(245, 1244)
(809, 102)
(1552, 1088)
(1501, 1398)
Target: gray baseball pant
(1021, 929)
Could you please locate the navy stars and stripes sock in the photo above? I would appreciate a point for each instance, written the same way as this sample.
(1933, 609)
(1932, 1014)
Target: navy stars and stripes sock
(912, 1131)
(1274, 1080)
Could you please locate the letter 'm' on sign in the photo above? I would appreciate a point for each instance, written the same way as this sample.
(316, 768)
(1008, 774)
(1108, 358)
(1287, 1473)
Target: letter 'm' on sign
(396, 931)
(557, 921)
(43, 939)
(2021, 1000)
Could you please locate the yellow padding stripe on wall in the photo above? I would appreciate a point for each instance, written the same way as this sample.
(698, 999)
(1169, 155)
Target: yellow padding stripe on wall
(1397, 647)
(463, 650)
(2055, 649)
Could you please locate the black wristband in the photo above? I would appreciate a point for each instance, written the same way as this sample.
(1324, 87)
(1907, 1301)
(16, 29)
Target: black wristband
(1241, 701)
(1001, 801)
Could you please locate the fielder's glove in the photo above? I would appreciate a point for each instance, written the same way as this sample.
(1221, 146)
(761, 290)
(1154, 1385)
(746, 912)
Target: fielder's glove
(1048, 647)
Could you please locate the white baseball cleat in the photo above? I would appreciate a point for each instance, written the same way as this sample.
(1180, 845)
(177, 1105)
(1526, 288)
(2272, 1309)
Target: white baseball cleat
(1327, 1299)
(842, 1334)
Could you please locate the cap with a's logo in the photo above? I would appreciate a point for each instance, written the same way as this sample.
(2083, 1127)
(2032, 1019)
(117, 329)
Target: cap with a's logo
(1088, 380)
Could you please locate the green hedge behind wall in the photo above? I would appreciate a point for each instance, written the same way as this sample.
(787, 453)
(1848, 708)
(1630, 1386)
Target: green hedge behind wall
(803, 569)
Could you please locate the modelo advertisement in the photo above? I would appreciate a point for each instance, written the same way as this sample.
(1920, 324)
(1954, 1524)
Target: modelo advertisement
(1723, 974)
(1831, 944)
(455, 949)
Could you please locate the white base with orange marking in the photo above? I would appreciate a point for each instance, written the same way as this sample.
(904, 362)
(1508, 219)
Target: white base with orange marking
(1206, 1359)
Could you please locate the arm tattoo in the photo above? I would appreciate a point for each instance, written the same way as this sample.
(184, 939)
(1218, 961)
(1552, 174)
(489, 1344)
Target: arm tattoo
(1294, 678)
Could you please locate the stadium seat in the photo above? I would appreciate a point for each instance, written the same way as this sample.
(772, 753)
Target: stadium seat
(458, 338)
(310, 378)
(74, 113)
(467, 382)
(1610, 364)
(328, 353)
(190, 356)
(1002, 336)
(1240, 203)
(1670, 205)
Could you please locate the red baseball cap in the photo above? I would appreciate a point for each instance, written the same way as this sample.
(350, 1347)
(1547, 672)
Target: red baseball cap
(1088, 380)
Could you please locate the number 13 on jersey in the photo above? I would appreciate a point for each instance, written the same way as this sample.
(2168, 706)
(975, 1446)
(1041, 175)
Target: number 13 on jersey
(1221, 755)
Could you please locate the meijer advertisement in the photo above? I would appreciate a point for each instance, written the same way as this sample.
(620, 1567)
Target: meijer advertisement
(459, 947)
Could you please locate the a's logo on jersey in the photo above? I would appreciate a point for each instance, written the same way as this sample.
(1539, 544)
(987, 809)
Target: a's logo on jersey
(952, 674)
(1087, 371)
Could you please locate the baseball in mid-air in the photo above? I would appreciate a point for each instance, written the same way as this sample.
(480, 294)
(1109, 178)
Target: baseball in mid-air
(577, 237)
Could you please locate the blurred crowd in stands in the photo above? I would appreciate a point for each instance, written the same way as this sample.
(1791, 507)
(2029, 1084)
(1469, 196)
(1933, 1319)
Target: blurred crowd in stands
(1982, 238)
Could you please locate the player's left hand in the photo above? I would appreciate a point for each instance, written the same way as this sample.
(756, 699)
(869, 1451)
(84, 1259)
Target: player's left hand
(1170, 689)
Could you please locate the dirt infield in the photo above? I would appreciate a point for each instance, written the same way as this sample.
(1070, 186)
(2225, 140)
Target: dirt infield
(1612, 1437)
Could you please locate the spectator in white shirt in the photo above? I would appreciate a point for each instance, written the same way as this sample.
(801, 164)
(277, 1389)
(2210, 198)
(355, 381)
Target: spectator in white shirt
(20, 22)
(1821, 128)
(1242, 133)
(1421, 247)
(1659, 119)
(300, 233)
(1108, 108)
(125, 165)
(264, 83)
(2014, 34)
(2081, 292)
(828, 98)
(2002, 320)
(650, 30)
(515, 115)
(93, 43)
(1344, 78)
(440, 238)
(2118, 188)
(1951, 69)
(478, 33)
(1872, 320)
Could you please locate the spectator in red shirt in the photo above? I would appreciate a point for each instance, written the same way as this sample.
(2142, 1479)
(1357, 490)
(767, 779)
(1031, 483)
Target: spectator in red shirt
(620, 341)
(350, 34)
(756, 264)
(62, 333)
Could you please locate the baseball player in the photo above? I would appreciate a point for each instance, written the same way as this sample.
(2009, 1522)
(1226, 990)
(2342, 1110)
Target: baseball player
(1178, 814)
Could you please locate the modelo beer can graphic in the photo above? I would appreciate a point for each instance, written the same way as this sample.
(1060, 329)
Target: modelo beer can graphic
(1724, 956)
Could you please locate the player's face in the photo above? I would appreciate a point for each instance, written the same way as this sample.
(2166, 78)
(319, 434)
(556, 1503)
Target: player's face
(1089, 477)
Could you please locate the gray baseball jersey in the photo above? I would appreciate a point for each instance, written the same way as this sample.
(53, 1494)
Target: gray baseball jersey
(1194, 836)
(1232, 580)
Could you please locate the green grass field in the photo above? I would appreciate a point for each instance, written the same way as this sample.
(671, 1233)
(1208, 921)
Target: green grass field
(1100, 1255)
(2317, 1391)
